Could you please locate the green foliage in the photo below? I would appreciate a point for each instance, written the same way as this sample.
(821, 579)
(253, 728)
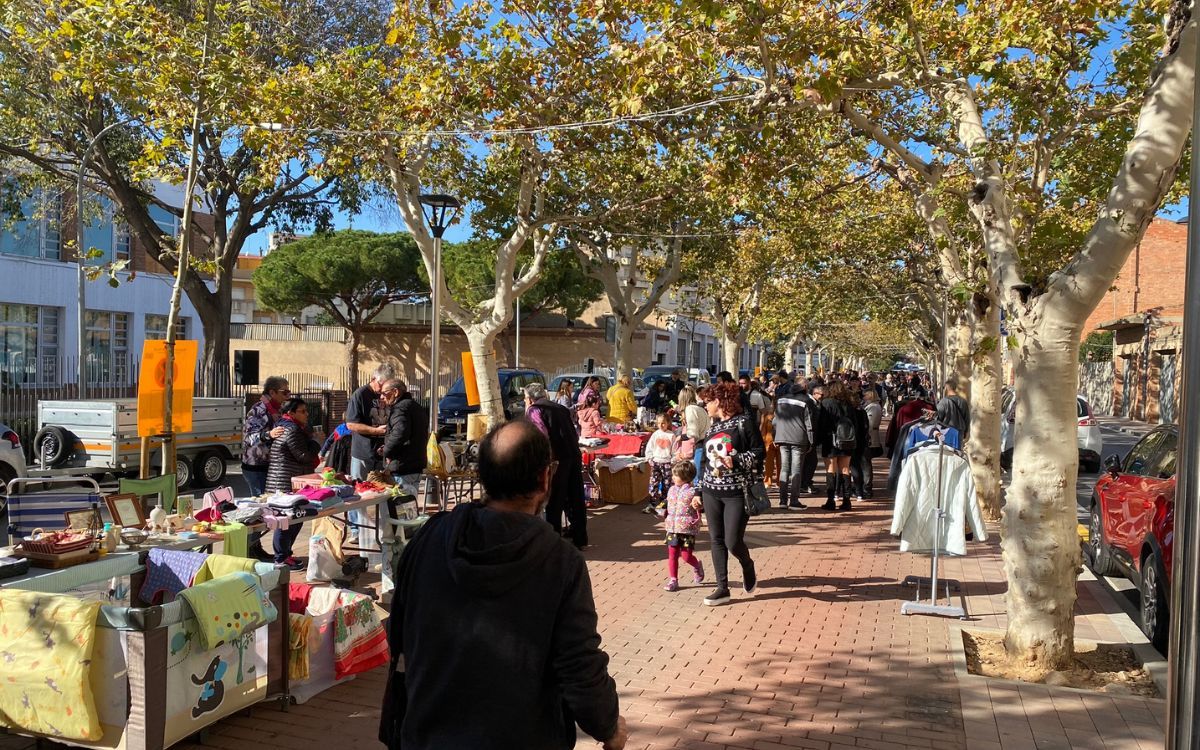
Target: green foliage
(352, 275)
(469, 269)
(1097, 347)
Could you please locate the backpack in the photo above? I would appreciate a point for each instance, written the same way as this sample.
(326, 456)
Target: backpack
(844, 434)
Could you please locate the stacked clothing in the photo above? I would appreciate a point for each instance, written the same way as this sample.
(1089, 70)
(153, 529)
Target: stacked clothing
(280, 501)
(321, 498)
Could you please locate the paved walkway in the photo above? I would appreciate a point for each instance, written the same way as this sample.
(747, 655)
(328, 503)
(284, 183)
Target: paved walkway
(819, 658)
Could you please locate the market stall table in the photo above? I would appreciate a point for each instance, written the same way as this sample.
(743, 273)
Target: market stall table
(619, 444)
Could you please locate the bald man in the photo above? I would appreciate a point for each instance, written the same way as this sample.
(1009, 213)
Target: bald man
(492, 603)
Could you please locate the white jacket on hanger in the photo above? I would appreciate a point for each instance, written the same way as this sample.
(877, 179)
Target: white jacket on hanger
(915, 516)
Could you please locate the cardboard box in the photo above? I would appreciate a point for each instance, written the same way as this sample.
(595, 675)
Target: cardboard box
(626, 487)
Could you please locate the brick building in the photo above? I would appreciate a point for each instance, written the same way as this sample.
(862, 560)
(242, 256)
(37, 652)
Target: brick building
(1144, 310)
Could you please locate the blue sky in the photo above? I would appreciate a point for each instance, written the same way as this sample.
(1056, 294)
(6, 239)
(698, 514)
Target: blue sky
(377, 216)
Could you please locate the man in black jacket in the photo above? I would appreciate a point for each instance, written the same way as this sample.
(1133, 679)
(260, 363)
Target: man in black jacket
(493, 627)
(403, 449)
(811, 392)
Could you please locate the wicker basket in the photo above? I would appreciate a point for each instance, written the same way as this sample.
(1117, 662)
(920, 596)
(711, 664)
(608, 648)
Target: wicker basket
(57, 542)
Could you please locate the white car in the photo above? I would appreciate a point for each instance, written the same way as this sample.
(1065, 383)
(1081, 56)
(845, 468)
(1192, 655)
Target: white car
(12, 457)
(1091, 441)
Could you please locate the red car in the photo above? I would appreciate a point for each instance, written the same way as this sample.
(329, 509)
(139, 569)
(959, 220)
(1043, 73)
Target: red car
(1133, 523)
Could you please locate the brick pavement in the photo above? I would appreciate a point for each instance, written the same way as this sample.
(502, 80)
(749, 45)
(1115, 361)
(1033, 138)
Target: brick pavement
(819, 657)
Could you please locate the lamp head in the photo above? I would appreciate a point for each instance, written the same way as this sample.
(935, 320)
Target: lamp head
(440, 211)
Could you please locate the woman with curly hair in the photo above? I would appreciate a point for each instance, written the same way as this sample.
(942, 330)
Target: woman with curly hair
(733, 451)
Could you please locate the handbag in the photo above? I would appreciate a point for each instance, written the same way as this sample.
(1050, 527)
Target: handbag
(754, 495)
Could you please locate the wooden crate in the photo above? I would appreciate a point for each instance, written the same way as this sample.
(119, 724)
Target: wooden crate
(626, 487)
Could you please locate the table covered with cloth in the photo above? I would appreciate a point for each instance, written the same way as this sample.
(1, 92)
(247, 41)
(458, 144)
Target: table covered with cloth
(619, 444)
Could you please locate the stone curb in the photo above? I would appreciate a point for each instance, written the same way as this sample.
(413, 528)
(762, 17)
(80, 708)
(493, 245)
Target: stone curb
(958, 652)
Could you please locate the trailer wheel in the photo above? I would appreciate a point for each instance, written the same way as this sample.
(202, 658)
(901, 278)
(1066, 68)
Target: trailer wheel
(210, 468)
(183, 472)
(53, 444)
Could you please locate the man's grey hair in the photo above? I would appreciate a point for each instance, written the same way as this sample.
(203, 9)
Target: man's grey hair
(535, 391)
(274, 383)
(384, 373)
(394, 384)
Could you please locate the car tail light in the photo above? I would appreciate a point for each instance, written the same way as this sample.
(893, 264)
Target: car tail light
(1087, 422)
(12, 437)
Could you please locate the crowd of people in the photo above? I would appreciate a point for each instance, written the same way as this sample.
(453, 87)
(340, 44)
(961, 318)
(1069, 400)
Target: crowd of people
(526, 629)
(526, 632)
(385, 430)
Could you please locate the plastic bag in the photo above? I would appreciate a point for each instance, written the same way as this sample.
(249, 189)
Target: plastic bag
(433, 456)
(322, 565)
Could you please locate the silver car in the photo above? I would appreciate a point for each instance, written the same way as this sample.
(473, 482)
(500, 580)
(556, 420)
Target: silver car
(1091, 441)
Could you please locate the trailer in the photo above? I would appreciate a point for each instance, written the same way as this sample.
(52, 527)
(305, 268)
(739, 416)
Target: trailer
(97, 437)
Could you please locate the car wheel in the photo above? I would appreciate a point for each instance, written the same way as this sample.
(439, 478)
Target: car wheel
(1155, 617)
(210, 468)
(1102, 562)
(7, 474)
(183, 472)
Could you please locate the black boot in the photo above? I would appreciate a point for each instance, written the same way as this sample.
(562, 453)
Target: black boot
(795, 503)
(830, 491)
(845, 492)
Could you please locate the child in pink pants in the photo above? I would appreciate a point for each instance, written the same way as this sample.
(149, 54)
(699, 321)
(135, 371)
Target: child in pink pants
(682, 523)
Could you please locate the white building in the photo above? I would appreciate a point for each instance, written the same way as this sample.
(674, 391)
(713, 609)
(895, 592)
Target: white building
(39, 330)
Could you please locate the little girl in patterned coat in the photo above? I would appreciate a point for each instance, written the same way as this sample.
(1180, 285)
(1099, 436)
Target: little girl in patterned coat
(684, 511)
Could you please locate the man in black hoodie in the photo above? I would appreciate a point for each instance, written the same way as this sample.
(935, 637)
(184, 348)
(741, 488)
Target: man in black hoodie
(493, 626)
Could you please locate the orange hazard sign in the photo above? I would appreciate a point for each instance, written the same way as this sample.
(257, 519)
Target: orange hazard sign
(152, 384)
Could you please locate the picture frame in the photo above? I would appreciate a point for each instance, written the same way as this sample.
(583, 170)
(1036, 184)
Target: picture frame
(184, 505)
(408, 511)
(126, 510)
(87, 519)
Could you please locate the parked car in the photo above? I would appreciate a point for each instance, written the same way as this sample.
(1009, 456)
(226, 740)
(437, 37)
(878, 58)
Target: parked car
(453, 408)
(640, 389)
(579, 378)
(1088, 435)
(695, 375)
(12, 457)
(1132, 525)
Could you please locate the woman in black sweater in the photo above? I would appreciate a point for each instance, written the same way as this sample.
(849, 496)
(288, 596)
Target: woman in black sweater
(838, 446)
(733, 452)
(293, 454)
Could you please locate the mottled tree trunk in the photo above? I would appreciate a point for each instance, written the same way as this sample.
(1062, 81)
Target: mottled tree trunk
(624, 347)
(984, 445)
(1041, 549)
(481, 342)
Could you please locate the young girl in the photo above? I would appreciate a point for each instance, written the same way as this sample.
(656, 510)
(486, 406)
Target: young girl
(683, 521)
(660, 450)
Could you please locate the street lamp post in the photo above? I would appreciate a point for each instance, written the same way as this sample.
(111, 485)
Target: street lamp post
(81, 280)
(440, 212)
(1183, 720)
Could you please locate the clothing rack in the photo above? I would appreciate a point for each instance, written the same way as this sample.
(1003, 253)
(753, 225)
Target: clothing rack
(933, 607)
